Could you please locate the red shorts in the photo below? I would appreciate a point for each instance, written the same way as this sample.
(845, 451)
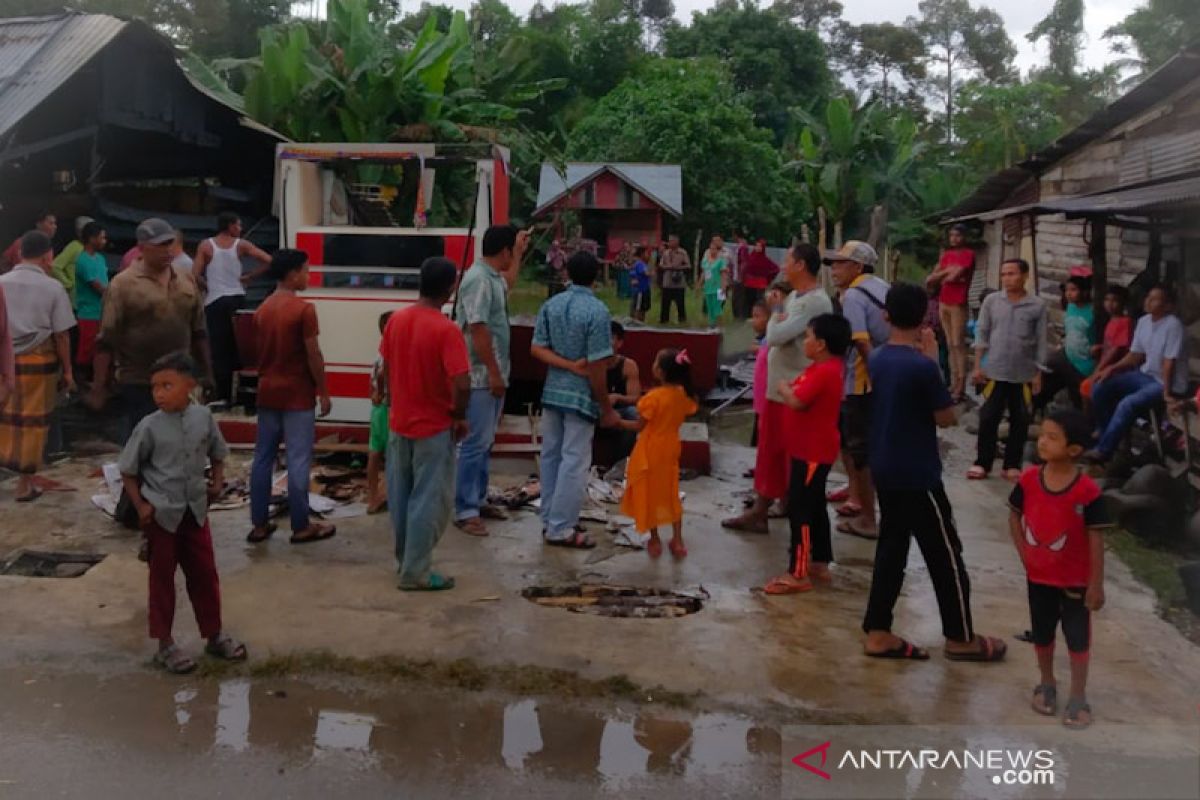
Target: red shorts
(88, 330)
(772, 464)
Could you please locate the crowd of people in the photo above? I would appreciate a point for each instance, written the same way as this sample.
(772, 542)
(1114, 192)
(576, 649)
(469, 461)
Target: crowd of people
(856, 378)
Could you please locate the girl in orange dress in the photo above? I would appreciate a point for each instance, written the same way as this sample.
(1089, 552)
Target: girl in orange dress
(652, 477)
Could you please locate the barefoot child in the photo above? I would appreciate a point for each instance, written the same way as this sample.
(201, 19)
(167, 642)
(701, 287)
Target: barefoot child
(652, 482)
(162, 467)
(814, 401)
(378, 441)
(1056, 522)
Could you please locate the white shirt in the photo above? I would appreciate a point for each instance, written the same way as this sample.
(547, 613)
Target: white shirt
(224, 273)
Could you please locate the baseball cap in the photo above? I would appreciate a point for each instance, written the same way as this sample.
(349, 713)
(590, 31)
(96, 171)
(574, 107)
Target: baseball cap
(155, 231)
(852, 250)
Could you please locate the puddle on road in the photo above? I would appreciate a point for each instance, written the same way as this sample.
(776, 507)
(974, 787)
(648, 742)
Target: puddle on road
(401, 730)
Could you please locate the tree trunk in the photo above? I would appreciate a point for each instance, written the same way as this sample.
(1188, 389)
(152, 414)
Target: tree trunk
(837, 234)
(949, 96)
(822, 238)
(696, 257)
(804, 236)
(878, 229)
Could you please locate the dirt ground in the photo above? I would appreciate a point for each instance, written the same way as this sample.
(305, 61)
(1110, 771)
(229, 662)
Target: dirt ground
(352, 682)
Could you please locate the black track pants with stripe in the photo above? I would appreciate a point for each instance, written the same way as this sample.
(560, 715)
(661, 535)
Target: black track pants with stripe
(925, 516)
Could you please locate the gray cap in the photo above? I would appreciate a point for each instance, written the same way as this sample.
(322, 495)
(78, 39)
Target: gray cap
(155, 231)
(852, 250)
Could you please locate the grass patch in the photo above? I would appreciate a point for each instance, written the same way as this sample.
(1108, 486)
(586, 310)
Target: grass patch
(527, 296)
(463, 674)
(1158, 569)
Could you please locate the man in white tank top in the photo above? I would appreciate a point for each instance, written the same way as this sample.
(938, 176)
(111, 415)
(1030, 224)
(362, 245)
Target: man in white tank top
(218, 271)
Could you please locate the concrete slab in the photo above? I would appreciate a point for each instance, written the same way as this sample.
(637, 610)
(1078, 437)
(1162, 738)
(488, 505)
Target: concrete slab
(795, 658)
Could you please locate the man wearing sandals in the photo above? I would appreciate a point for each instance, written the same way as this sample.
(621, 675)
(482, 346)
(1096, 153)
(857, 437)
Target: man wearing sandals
(910, 403)
(162, 467)
(429, 382)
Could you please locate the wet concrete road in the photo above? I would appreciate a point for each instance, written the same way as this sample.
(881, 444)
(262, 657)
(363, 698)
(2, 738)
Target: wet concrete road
(755, 664)
(151, 736)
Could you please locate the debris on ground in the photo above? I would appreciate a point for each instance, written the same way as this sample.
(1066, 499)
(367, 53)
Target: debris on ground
(515, 497)
(617, 601)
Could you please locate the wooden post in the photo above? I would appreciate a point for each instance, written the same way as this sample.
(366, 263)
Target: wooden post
(696, 258)
(1098, 253)
(804, 237)
(822, 239)
(837, 235)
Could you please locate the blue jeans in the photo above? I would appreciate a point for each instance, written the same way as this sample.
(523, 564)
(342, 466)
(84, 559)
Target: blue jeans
(566, 458)
(1118, 401)
(420, 491)
(483, 414)
(297, 430)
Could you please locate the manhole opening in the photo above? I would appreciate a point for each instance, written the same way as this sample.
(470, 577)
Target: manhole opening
(616, 601)
(38, 564)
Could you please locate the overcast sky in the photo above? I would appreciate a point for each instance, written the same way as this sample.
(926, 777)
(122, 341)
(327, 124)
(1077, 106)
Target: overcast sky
(1019, 18)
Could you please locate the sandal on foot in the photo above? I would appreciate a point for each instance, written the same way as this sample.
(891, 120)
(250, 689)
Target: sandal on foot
(678, 549)
(577, 540)
(654, 548)
(472, 526)
(434, 583)
(905, 651)
(258, 535)
(838, 495)
(990, 649)
(777, 510)
(377, 507)
(174, 660)
(316, 533)
(849, 509)
(227, 648)
(784, 586)
(977, 473)
(34, 494)
(852, 527)
(1071, 718)
(746, 524)
(1045, 699)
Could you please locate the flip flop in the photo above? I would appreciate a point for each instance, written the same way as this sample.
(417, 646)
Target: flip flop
(227, 648)
(1071, 719)
(175, 661)
(434, 583)
(905, 651)
(577, 541)
(838, 495)
(472, 526)
(268, 531)
(745, 525)
(1045, 699)
(677, 550)
(849, 510)
(781, 586)
(34, 494)
(654, 548)
(322, 535)
(990, 649)
(977, 473)
(848, 526)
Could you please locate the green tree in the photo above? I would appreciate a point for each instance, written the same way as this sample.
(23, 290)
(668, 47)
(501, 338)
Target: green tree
(1156, 31)
(775, 65)
(1003, 125)
(962, 39)
(885, 52)
(1083, 91)
(687, 113)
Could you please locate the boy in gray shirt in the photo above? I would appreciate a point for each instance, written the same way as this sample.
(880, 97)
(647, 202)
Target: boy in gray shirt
(162, 468)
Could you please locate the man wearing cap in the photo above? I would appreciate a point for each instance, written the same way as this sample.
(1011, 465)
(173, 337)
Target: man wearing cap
(863, 295)
(150, 309)
(952, 280)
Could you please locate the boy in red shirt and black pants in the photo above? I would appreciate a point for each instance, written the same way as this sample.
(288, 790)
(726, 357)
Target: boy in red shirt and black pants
(1056, 522)
(813, 442)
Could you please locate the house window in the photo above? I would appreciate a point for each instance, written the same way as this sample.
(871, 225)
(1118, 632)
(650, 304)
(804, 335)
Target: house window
(629, 196)
(589, 195)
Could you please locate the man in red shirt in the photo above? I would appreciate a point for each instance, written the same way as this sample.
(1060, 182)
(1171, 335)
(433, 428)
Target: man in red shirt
(428, 378)
(953, 280)
(291, 379)
(813, 442)
(46, 223)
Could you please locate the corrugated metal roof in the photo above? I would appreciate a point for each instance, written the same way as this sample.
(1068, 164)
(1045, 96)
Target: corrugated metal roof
(1161, 196)
(38, 54)
(662, 183)
(1167, 79)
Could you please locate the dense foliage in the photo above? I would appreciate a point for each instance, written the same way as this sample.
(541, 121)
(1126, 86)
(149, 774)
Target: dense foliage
(775, 109)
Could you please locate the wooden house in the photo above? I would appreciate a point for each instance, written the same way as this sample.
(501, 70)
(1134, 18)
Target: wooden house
(616, 203)
(1121, 192)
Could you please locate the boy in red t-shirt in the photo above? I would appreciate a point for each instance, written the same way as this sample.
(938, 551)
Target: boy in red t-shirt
(813, 442)
(1056, 521)
(1118, 335)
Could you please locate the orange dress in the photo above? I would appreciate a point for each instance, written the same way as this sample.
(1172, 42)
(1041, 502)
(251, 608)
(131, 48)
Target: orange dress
(652, 477)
